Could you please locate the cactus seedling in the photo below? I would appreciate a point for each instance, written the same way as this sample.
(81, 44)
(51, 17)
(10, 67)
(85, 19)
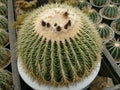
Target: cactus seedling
(4, 38)
(4, 57)
(3, 9)
(83, 4)
(113, 47)
(6, 82)
(55, 52)
(105, 32)
(3, 22)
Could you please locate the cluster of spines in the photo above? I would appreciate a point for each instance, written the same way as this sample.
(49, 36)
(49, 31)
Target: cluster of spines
(6, 81)
(100, 2)
(3, 9)
(110, 11)
(116, 1)
(4, 38)
(82, 4)
(3, 22)
(118, 24)
(104, 30)
(113, 47)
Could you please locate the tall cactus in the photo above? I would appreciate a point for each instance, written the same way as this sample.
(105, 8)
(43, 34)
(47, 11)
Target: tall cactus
(113, 47)
(58, 52)
(100, 2)
(4, 38)
(82, 4)
(6, 82)
(110, 11)
(118, 24)
(3, 22)
(3, 9)
(4, 56)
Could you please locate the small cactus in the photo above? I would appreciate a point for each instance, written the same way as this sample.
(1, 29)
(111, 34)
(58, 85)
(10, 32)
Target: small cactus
(118, 24)
(105, 31)
(100, 2)
(3, 22)
(3, 9)
(83, 4)
(6, 82)
(113, 47)
(4, 38)
(110, 11)
(4, 57)
(58, 52)
(116, 1)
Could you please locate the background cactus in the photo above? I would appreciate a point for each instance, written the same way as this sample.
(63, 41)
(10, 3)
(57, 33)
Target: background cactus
(82, 4)
(3, 22)
(6, 82)
(116, 1)
(100, 2)
(56, 52)
(113, 47)
(3, 9)
(110, 11)
(4, 56)
(4, 38)
(118, 24)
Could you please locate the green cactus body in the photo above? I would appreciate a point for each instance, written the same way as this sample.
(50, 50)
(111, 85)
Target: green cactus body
(3, 1)
(82, 4)
(118, 24)
(100, 2)
(110, 11)
(113, 47)
(6, 82)
(4, 38)
(104, 30)
(4, 56)
(3, 22)
(58, 52)
(116, 1)
(3, 9)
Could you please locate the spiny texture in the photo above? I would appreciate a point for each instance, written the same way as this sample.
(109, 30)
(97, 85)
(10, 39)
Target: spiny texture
(113, 47)
(4, 38)
(116, 1)
(58, 52)
(110, 11)
(6, 82)
(3, 22)
(4, 56)
(3, 9)
(118, 24)
(82, 4)
(104, 30)
(100, 2)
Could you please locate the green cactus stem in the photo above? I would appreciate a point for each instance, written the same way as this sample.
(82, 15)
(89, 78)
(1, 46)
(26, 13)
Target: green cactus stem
(110, 11)
(4, 57)
(4, 38)
(116, 1)
(58, 52)
(6, 82)
(113, 47)
(100, 2)
(3, 22)
(118, 24)
(83, 4)
(3, 9)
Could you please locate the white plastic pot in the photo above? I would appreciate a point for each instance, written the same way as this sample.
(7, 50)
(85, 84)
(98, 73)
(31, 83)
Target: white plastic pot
(82, 85)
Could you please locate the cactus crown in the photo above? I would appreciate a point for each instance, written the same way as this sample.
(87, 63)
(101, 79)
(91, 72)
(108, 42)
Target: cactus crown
(3, 9)
(82, 4)
(3, 22)
(3, 37)
(118, 24)
(100, 2)
(56, 52)
(113, 47)
(110, 11)
(5, 80)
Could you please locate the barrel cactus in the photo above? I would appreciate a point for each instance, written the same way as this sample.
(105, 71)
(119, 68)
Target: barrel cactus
(4, 38)
(3, 9)
(83, 4)
(105, 32)
(113, 47)
(58, 52)
(118, 24)
(3, 22)
(110, 11)
(115, 1)
(6, 82)
(100, 2)
(4, 57)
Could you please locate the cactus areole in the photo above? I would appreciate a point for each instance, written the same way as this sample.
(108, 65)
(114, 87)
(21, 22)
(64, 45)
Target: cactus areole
(58, 45)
